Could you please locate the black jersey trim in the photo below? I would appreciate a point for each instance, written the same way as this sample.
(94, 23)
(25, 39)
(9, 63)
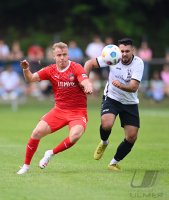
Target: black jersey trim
(135, 80)
(97, 62)
(129, 62)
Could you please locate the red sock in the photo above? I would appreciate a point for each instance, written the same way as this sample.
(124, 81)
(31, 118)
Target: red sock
(31, 149)
(65, 144)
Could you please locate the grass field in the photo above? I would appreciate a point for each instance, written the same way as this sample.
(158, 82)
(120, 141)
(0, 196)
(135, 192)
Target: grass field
(73, 174)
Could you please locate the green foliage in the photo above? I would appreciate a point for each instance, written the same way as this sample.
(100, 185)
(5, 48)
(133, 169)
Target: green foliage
(84, 18)
(40, 38)
(81, 9)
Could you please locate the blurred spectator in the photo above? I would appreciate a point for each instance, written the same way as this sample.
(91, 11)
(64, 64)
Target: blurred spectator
(109, 40)
(34, 90)
(45, 88)
(49, 54)
(167, 56)
(135, 51)
(11, 85)
(16, 55)
(75, 52)
(16, 52)
(95, 80)
(145, 53)
(4, 52)
(156, 90)
(35, 54)
(165, 78)
(94, 48)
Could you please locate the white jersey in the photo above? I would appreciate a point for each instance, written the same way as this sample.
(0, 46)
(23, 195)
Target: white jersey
(123, 73)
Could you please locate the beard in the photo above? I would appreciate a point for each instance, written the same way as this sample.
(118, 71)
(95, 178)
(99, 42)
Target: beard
(126, 60)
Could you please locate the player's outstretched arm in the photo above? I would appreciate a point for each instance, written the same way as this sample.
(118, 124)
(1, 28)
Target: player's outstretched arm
(27, 73)
(87, 86)
(89, 65)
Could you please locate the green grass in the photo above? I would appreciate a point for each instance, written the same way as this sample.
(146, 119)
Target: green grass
(73, 174)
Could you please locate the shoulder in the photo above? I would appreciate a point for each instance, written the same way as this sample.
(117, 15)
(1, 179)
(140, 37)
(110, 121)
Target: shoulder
(78, 70)
(138, 60)
(75, 65)
(47, 69)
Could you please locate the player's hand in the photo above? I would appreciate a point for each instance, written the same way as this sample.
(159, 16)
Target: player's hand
(88, 88)
(24, 64)
(116, 83)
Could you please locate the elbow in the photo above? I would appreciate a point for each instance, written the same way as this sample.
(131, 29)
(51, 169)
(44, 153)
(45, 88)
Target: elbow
(134, 89)
(28, 80)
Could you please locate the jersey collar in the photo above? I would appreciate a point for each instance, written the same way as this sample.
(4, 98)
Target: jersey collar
(63, 70)
(129, 62)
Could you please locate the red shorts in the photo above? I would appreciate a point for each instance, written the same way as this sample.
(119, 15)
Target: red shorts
(58, 118)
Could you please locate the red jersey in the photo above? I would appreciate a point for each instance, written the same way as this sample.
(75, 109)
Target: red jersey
(68, 94)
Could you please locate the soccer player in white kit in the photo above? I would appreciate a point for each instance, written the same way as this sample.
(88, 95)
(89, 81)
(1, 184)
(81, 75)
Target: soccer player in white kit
(120, 98)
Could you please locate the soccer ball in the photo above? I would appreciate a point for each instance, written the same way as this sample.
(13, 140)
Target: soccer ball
(111, 54)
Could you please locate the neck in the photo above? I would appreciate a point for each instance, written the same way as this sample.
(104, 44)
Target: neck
(62, 67)
(127, 63)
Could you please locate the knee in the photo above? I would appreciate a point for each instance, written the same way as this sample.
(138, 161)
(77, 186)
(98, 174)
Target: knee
(37, 133)
(74, 137)
(106, 125)
(131, 138)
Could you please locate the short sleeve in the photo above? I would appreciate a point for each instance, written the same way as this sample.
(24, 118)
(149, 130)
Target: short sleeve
(138, 71)
(80, 73)
(43, 73)
(100, 62)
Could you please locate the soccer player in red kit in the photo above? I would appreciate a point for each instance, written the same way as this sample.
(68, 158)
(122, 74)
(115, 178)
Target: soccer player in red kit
(70, 85)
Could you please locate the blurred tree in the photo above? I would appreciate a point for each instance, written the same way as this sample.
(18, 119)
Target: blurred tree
(83, 18)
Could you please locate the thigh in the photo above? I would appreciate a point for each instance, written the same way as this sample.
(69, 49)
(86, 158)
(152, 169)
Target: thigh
(107, 120)
(78, 118)
(110, 109)
(56, 119)
(109, 106)
(131, 133)
(76, 132)
(129, 115)
(42, 129)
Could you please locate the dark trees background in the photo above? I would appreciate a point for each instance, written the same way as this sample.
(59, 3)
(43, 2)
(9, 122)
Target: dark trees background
(41, 21)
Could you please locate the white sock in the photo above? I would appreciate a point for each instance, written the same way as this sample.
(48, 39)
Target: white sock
(51, 152)
(105, 142)
(113, 161)
(26, 166)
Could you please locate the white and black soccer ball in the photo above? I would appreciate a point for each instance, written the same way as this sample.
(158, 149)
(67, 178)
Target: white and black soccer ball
(111, 54)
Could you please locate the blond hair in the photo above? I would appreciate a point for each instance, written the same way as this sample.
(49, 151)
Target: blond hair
(60, 45)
